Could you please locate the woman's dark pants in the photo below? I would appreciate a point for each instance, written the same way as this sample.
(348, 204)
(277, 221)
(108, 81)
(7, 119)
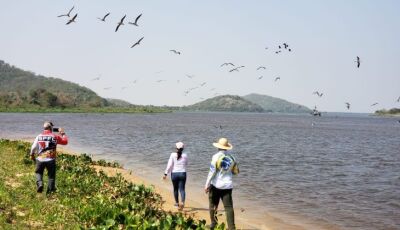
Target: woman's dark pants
(179, 181)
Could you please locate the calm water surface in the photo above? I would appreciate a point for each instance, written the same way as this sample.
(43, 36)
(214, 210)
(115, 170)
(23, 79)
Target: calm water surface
(341, 171)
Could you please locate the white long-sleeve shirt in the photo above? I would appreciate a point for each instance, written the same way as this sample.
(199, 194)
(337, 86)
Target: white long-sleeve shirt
(222, 168)
(175, 165)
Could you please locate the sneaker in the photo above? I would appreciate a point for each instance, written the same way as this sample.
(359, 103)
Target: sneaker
(40, 189)
(176, 205)
(181, 206)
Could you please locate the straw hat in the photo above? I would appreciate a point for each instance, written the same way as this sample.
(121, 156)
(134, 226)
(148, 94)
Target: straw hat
(223, 144)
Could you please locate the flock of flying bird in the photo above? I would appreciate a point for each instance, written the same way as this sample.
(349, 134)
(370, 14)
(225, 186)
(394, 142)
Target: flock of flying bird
(234, 68)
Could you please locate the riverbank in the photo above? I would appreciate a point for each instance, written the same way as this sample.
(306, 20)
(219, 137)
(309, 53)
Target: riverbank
(196, 206)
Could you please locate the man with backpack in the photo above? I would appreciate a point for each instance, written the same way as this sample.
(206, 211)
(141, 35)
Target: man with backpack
(219, 182)
(44, 146)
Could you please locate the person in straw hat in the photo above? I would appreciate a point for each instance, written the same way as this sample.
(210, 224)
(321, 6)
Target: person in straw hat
(219, 182)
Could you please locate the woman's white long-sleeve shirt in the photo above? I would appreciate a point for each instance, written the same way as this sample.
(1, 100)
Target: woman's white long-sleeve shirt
(175, 165)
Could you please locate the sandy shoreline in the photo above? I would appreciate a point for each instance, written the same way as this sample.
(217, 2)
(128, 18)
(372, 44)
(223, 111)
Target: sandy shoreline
(196, 204)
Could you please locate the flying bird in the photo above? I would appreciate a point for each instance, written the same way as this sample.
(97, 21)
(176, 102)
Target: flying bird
(358, 62)
(290, 50)
(278, 78)
(176, 52)
(261, 67)
(68, 14)
(398, 99)
(285, 45)
(120, 23)
(259, 78)
(72, 19)
(137, 43)
(202, 84)
(374, 104)
(347, 105)
(318, 93)
(104, 18)
(234, 69)
(190, 76)
(227, 63)
(136, 20)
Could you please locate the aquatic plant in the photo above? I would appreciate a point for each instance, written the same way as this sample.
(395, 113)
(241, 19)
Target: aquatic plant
(85, 199)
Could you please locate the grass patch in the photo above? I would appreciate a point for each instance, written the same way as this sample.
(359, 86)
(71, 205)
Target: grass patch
(84, 199)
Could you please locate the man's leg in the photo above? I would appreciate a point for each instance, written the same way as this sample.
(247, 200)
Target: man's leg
(51, 172)
(228, 205)
(213, 201)
(39, 175)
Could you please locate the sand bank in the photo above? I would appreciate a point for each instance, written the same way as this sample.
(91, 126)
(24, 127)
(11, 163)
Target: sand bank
(196, 205)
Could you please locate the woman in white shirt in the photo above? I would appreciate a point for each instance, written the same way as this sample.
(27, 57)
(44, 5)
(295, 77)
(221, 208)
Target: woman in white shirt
(177, 164)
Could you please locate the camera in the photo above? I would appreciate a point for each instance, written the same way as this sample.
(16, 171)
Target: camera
(55, 129)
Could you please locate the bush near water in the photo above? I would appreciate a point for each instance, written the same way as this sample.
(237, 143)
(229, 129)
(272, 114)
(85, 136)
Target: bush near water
(85, 199)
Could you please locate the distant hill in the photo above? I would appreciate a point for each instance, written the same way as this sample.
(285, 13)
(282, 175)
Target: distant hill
(24, 91)
(228, 103)
(118, 102)
(19, 88)
(390, 112)
(276, 105)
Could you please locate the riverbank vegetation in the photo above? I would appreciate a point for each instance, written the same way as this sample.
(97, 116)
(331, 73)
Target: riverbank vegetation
(390, 112)
(85, 199)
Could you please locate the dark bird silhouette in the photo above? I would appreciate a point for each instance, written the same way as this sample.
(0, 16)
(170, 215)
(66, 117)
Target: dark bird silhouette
(266, 48)
(398, 99)
(120, 23)
(104, 18)
(234, 69)
(136, 20)
(285, 45)
(358, 62)
(68, 14)
(218, 126)
(137, 43)
(259, 78)
(290, 50)
(72, 19)
(261, 67)
(203, 84)
(318, 93)
(347, 105)
(227, 63)
(374, 104)
(278, 78)
(176, 52)
(190, 76)
(279, 47)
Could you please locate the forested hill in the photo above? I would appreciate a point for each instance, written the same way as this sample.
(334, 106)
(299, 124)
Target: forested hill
(276, 105)
(19, 88)
(226, 103)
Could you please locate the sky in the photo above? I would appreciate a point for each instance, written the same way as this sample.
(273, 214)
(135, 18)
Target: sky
(325, 37)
